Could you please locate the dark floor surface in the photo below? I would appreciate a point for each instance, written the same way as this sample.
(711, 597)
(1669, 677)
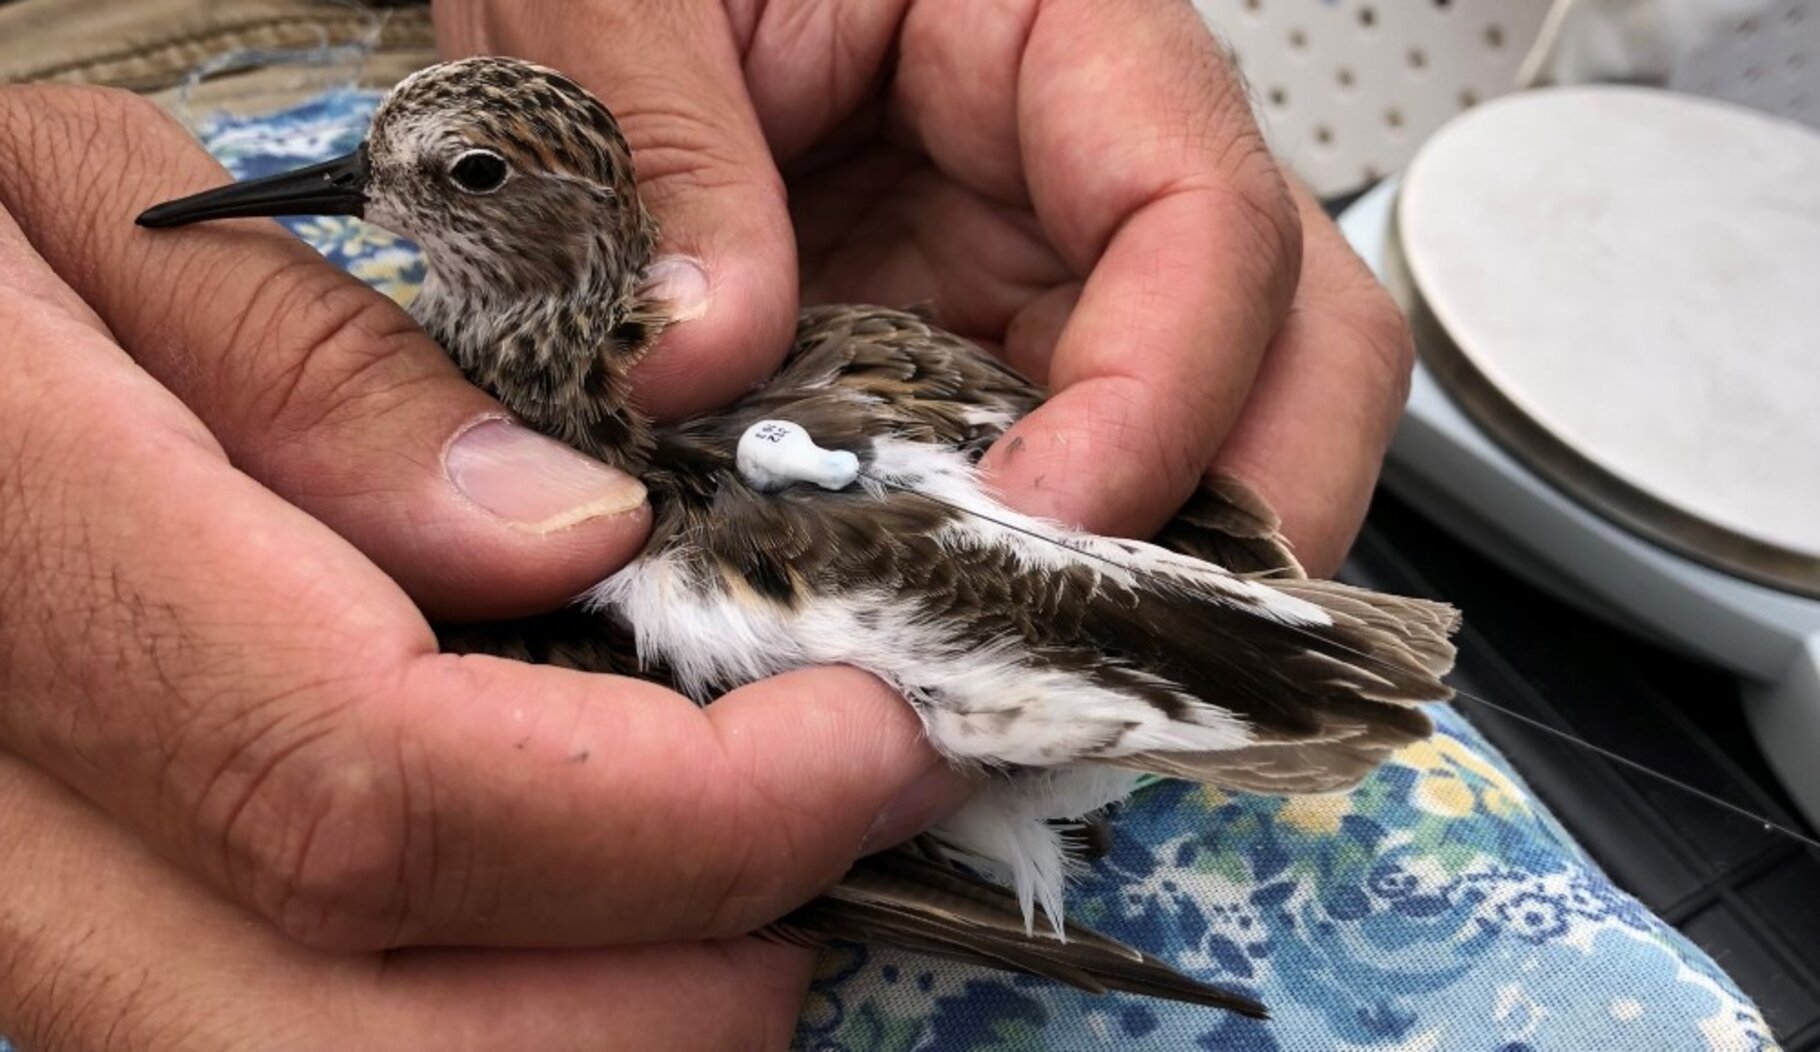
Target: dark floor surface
(1749, 896)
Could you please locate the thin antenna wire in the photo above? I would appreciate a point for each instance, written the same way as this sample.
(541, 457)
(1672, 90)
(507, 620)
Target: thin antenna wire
(1716, 801)
(1767, 823)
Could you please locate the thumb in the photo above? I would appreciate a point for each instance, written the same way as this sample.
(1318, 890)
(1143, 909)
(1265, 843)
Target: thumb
(671, 73)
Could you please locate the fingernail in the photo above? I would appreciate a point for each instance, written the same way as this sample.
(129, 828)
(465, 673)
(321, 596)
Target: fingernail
(934, 795)
(680, 282)
(533, 481)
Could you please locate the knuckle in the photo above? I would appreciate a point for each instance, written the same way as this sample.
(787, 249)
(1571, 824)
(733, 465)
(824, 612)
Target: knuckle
(313, 828)
(724, 892)
(1115, 423)
(1118, 420)
(1379, 331)
(730, 872)
(747, 879)
(39, 121)
(1387, 332)
(27, 110)
(335, 353)
(1220, 138)
(678, 147)
(1260, 190)
(1245, 172)
(1255, 197)
(1125, 423)
(331, 880)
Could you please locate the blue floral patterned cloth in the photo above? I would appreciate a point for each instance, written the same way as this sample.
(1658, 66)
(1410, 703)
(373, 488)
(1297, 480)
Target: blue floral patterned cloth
(1438, 908)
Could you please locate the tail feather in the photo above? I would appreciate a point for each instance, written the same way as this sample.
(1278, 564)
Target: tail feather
(911, 902)
(1404, 641)
(1326, 699)
(1277, 770)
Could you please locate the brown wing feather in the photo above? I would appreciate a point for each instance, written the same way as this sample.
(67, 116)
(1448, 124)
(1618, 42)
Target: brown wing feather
(900, 898)
(927, 384)
(925, 381)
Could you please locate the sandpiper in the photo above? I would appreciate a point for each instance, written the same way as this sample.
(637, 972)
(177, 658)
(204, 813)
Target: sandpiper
(1063, 665)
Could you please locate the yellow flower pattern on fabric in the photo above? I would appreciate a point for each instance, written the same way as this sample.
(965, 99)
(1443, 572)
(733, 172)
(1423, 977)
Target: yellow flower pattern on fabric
(1316, 814)
(1453, 781)
(373, 254)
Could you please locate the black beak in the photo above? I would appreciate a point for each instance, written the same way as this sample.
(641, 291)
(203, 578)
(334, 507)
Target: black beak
(332, 188)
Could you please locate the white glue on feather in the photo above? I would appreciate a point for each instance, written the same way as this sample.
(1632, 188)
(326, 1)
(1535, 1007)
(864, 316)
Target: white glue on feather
(776, 453)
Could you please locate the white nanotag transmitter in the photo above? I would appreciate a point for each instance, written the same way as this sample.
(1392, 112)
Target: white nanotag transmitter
(776, 453)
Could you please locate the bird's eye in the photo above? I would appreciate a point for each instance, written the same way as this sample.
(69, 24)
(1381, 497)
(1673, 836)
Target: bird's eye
(478, 171)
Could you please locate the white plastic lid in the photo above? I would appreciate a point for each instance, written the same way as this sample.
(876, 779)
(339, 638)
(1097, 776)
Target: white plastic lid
(1623, 286)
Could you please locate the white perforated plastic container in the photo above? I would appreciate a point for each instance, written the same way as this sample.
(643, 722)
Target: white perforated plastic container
(1347, 89)
(1768, 61)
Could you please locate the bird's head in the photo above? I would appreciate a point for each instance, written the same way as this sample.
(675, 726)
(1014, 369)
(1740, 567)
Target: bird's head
(519, 188)
(510, 176)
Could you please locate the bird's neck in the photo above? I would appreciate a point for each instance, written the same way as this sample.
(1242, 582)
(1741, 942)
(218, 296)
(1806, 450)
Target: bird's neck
(557, 356)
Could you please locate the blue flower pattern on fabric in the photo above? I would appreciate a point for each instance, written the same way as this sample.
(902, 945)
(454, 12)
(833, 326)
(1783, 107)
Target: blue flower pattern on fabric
(1437, 908)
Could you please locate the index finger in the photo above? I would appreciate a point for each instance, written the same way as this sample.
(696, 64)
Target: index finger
(1149, 177)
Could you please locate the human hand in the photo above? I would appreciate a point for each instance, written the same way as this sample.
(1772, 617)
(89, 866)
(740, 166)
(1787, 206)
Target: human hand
(1077, 182)
(226, 471)
(109, 947)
